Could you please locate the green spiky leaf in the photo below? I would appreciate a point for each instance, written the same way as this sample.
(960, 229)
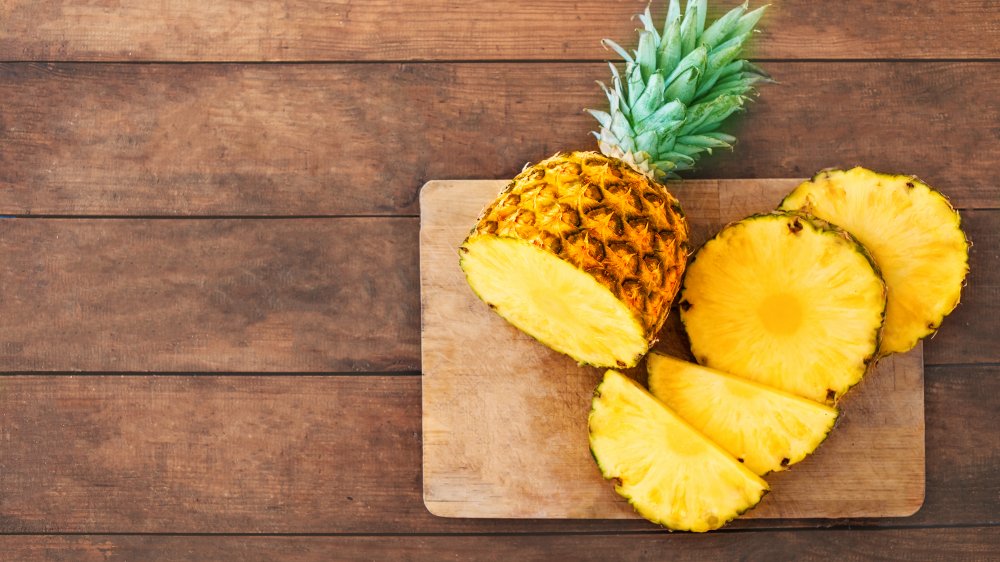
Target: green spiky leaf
(677, 88)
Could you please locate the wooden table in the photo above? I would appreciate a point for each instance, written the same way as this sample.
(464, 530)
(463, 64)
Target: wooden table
(209, 308)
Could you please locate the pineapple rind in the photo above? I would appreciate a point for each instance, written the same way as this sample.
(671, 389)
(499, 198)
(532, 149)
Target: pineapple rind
(717, 343)
(668, 471)
(598, 214)
(912, 231)
(766, 428)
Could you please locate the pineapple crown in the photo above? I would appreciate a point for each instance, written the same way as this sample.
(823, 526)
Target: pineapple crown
(679, 86)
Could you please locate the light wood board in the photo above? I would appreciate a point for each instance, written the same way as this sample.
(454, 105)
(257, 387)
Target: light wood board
(505, 418)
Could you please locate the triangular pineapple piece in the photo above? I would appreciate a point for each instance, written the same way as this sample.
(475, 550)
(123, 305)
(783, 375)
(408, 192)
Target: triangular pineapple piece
(914, 235)
(766, 428)
(670, 473)
(787, 300)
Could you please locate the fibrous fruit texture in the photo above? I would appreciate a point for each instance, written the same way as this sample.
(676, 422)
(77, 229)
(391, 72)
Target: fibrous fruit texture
(765, 428)
(670, 473)
(912, 232)
(786, 300)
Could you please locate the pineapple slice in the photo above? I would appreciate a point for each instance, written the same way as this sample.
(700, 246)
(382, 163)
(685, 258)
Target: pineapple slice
(670, 473)
(584, 254)
(786, 300)
(912, 232)
(765, 428)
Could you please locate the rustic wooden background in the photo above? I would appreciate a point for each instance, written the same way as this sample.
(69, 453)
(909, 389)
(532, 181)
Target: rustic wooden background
(209, 309)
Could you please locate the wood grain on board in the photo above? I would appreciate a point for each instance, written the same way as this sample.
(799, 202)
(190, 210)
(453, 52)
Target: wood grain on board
(188, 30)
(504, 418)
(952, 545)
(281, 295)
(230, 139)
(338, 454)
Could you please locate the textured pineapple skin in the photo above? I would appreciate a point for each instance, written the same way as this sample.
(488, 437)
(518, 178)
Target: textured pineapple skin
(597, 213)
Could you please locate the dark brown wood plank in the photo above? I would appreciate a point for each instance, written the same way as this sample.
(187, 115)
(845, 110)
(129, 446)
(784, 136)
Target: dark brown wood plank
(341, 454)
(186, 30)
(279, 295)
(209, 295)
(969, 334)
(968, 543)
(83, 139)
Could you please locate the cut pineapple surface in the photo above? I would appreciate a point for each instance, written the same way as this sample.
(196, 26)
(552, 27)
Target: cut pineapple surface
(552, 301)
(912, 232)
(670, 473)
(583, 253)
(786, 300)
(765, 428)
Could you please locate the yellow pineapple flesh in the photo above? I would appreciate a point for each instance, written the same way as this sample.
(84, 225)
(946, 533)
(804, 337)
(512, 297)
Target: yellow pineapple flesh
(670, 473)
(765, 428)
(912, 232)
(786, 300)
(584, 254)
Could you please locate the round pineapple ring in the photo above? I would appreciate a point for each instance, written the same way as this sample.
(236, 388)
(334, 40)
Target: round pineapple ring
(786, 300)
(912, 232)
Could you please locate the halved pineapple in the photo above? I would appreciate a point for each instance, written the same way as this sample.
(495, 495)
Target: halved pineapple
(786, 300)
(914, 235)
(763, 427)
(670, 473)
(584, 254)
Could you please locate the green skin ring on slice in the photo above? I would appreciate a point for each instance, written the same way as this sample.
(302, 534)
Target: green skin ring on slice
(671, 473)
(786, 300)
(912, 232)
(763, 427)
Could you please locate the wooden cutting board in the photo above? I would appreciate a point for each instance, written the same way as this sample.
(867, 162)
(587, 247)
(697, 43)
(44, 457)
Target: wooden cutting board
(505, 418)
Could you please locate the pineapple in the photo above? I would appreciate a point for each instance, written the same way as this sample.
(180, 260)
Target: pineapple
(763, 427)
(786, 300)
(912, 232)
(585, 251)
(584, 254)
(670, 473)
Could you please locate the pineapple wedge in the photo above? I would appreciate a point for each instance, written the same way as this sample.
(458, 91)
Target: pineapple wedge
(670, 473)
(786, 300)
(763, 427)
(914, 235)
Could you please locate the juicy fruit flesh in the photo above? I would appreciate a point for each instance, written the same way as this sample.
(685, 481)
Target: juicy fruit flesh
(913, 234)
(787, 302)
(672, 474)
(768, 429)
(606, 220)
(552, 301)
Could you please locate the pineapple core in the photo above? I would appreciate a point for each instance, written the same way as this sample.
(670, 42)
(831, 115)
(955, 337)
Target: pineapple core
(780, 313)
(552, 301)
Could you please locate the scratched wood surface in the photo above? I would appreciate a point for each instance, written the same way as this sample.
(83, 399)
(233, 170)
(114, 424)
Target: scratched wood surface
(209, 289)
